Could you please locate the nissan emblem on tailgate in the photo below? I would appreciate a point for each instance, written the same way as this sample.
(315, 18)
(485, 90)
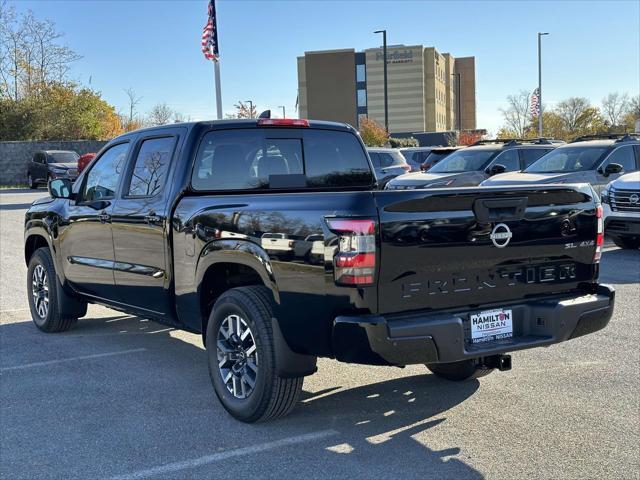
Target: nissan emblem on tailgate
(501, 235)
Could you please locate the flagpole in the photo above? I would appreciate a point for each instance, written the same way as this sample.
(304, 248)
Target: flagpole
(216, 68)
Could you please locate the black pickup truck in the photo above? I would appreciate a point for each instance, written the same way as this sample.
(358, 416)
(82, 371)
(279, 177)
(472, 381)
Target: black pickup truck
(270, 239)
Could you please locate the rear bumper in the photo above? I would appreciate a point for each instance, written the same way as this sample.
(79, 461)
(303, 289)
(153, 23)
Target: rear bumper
(442, 337)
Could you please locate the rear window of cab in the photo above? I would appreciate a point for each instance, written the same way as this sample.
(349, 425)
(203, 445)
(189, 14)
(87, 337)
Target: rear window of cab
(280, 158)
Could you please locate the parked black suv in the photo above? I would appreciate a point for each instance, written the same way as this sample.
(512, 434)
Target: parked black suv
(48, 164)
(472, 165)
(168, 223)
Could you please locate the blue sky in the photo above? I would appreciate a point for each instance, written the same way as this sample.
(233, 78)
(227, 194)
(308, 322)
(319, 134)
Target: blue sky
(153, 46)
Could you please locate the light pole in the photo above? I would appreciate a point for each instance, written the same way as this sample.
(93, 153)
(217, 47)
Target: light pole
(457, 77)
(250, 107)
(540, 34)
(384, 59)
(283, 111)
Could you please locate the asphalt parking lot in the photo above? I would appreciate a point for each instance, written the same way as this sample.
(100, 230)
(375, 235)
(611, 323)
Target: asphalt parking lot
(123, 397)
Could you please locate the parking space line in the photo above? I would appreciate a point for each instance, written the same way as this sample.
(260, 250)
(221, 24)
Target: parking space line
(71, 359)
(216, 457)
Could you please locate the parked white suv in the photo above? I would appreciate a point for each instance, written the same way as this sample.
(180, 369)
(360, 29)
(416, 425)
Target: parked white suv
(621, 200)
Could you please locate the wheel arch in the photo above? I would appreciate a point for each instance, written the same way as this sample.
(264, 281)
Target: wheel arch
(226, 264)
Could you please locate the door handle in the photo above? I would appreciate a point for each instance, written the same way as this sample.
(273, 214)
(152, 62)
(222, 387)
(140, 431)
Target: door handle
(152, 218)
(104, 217)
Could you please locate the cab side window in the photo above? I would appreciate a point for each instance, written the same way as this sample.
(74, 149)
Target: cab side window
(623, 156)
(151, 167)
(102, 180)
(509, 159)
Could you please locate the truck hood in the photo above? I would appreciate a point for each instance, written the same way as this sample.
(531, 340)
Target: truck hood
(522, 178)
(63, 166)
(630, 181)
(434, 180)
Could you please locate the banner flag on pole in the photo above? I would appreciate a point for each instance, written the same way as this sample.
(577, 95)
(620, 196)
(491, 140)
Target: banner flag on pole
(210, 35)
(535, 103)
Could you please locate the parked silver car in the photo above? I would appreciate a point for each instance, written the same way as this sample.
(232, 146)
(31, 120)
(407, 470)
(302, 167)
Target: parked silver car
(388, 163)
(471, 165)
(594, 159)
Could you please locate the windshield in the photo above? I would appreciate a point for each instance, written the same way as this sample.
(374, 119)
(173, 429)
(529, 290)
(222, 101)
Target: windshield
(62, 157)
(567, 159)
(465, 160)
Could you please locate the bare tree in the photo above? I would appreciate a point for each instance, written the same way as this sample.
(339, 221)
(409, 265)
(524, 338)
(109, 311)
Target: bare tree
(517, 115)
(614, 106)
(160, 114)
(31, 55)
(572, 111)
(134, 100)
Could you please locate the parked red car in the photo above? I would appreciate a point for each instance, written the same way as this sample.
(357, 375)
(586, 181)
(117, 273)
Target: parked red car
(85, 160)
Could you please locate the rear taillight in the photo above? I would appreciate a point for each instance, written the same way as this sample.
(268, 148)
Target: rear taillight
(355, 261)
(599, 234)
(291, 242)
(283, 122)
(407, 168)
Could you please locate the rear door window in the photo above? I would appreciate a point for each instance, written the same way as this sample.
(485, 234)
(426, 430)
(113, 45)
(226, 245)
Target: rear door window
(375, 159)
(530, 155)
(150, 170)
(262, 158)
(386, 160)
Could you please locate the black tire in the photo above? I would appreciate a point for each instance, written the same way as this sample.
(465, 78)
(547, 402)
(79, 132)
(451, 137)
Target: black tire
(271, 396)
(32, 184)
(627, 243)
(459, 371)
(62, 310)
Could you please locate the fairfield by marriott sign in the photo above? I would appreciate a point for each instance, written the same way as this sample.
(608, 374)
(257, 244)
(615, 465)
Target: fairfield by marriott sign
(396, 56)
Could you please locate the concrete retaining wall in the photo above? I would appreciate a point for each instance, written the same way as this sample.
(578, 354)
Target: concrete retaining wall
(14, 156)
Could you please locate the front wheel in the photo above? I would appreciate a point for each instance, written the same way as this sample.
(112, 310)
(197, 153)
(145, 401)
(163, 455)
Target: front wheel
(241, 357)
(459, 371)
(52, 309)
(32, 184)
(627, 243)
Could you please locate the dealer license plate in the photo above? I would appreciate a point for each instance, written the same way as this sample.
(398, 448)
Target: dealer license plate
(491, 325)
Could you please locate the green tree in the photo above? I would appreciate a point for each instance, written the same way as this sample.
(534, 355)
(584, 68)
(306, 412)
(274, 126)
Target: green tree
(373, 134)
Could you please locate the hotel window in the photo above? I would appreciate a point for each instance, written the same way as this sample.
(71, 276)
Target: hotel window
(361, 73)
(362, 98)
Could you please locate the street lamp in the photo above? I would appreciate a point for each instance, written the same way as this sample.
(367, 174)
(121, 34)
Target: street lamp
(540, 34)
(250, 107)
(283, 111)
(384, 59)
(459, 115)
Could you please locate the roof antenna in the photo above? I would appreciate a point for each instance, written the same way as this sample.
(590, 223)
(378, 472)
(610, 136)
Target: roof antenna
(265, 114)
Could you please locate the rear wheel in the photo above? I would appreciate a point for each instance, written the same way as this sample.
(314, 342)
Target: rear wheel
(52, 309)
(459, 371)
(627, 243)
(241, 357)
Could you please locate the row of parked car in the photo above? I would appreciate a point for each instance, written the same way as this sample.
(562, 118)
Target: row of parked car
(609, 162)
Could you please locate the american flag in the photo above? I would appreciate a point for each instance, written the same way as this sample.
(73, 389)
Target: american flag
(210, 35)
(535, 103)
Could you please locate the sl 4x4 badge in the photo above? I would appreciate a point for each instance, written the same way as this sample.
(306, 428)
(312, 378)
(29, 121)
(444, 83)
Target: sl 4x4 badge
(586, 243)
(501, 235)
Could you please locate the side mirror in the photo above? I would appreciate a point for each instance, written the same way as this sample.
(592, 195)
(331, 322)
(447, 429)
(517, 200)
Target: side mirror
(496, 169)
(60, 188)
(612, 168)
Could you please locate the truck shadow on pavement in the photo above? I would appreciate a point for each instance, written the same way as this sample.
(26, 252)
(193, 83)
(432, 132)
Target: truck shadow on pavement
(124, 413)
(620, 266)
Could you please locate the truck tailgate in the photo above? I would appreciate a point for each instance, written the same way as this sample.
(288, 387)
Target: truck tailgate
(448, 248)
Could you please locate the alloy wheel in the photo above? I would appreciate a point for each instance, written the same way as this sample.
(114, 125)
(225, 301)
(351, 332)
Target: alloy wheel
(40, 291)
(237, 356)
